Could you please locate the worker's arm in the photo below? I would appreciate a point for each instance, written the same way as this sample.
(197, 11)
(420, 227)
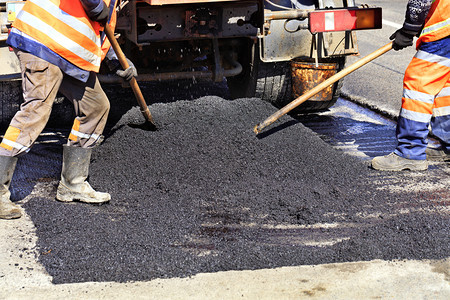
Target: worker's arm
(114, 66)
(96, 10)
(416, 13)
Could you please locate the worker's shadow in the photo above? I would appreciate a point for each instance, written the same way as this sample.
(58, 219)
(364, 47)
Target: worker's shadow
(344, 132)
(38, 172)
(277, 128)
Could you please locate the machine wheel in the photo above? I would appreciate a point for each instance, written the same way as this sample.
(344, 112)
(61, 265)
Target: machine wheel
(267, 81)
(272, 82)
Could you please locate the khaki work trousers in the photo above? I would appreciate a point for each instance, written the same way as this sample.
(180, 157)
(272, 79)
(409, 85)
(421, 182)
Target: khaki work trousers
(41, 81)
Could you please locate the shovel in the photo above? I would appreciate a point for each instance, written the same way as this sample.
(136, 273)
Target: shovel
(260, 126)
(149, 124)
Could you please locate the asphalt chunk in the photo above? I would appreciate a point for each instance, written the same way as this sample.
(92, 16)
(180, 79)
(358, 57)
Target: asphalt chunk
(204, 194)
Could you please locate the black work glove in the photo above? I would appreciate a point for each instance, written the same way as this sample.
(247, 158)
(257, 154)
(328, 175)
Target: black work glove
(129, 73)
(103, 16)
(402, 38)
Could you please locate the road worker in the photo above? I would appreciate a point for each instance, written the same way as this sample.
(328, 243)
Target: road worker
(60, 45)
(426, 88)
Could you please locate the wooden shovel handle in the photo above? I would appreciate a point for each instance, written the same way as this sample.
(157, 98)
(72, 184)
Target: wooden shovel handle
(257, 129)
(133, 83)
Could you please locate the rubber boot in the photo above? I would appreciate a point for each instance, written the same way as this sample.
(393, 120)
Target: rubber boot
(8, 210)
(73, 185)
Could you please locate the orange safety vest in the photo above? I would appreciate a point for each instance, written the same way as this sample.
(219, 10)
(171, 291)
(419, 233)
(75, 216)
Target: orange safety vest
(437, 23)
(64, 27)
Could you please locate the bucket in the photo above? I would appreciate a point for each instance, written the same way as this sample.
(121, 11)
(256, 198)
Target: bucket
(306, 75)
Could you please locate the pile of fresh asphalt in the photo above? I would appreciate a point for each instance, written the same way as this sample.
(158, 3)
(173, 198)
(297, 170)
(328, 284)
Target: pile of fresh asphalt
(204, 194)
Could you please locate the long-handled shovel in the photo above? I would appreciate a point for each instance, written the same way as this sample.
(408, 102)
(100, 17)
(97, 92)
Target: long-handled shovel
(257, 129)
(149, 124)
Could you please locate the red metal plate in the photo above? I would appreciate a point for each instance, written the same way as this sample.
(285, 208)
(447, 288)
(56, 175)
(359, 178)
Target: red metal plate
(344, 19)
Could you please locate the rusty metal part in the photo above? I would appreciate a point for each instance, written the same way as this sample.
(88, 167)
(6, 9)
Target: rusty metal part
(306, 75)
(301, 14)
(145, 24)
(236, 70)
(284, 35)
(271, 119)
(202, 22)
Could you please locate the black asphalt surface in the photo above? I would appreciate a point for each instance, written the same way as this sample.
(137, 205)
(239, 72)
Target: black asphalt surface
(204, 194)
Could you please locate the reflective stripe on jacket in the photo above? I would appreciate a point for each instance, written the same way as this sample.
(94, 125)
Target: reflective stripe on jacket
(424, 79)
(437, 23)
(64, 28)
(426, 93)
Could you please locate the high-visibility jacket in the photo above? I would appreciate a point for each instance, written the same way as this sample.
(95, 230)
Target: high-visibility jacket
(62, 28)
(437, 23)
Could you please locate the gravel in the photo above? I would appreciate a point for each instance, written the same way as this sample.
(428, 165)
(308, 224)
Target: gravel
(204, 194)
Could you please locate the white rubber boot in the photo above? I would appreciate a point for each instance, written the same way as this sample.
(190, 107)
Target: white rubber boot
(73, 185)
(8, 210)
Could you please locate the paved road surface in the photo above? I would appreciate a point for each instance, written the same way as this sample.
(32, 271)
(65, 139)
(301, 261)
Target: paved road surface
(22, 276)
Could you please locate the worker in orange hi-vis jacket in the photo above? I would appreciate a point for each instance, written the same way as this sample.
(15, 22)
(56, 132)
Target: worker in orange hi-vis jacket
(426, 88)
(60, 45)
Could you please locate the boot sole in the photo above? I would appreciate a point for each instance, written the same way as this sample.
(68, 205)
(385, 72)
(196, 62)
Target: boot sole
(438, 158)
(411, 167)
(77, 198)
(63, 194)
(11, 216)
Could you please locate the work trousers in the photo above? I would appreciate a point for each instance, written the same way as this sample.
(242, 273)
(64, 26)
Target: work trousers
(41, 81)
(426, 100)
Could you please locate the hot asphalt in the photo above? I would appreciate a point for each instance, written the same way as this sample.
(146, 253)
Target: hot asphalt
(204, 194)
